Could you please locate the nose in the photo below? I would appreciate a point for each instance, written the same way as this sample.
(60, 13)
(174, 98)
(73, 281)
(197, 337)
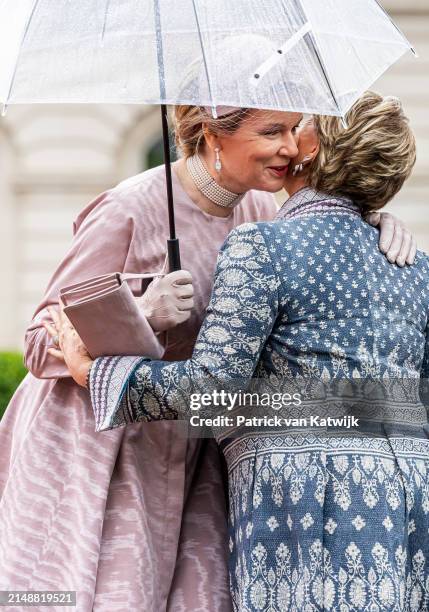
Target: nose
(289, 146)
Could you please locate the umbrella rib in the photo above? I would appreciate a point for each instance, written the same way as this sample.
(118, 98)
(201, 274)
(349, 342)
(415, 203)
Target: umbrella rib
(106, 13)
(396, 27)
(160, 51)
(264, 68)
(324, 71)
(320, 60)
(206, 68)
(24, 36)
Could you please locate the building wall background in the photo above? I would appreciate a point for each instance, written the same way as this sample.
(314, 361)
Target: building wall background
(55, 159)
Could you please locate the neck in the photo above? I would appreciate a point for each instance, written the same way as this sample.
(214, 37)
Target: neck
(229, 183)
(196, 196)
(294, 183)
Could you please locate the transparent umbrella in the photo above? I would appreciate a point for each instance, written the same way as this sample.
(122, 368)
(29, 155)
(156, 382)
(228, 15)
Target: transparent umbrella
(292, 55)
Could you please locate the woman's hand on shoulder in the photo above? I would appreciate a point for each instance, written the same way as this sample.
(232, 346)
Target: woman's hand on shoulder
(396, 241)
(169, 300)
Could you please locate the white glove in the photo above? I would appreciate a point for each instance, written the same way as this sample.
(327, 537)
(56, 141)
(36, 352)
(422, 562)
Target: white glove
(168, 301)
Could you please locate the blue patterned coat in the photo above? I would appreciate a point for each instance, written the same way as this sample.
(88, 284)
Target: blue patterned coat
(317, 522)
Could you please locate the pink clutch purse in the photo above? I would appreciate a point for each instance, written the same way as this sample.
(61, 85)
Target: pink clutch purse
(105, 314)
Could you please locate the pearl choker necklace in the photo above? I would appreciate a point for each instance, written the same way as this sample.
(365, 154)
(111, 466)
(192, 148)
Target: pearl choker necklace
(205, 183)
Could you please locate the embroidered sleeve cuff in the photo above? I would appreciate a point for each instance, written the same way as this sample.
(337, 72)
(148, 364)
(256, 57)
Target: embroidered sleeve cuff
(108, 381)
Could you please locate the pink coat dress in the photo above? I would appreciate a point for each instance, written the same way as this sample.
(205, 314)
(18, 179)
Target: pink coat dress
(131, 519)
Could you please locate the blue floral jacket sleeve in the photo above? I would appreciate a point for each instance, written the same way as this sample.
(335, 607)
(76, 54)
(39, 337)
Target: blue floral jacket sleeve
(242, 312)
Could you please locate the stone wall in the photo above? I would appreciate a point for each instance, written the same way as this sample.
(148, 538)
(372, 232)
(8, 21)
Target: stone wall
(409, 80)
(55, 159)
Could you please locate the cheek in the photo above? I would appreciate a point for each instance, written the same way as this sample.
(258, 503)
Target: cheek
(256, 163)
(250, 159)
(265, 153)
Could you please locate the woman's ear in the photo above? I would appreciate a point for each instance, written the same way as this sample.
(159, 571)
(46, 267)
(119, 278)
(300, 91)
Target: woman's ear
(211, 139)
(316, 150)
(311, 154)
(313, 145)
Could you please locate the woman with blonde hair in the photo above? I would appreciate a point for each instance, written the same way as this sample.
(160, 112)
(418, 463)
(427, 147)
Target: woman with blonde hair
(322, 518)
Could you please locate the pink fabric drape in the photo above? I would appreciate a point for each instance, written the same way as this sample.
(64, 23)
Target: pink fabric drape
(96, 513)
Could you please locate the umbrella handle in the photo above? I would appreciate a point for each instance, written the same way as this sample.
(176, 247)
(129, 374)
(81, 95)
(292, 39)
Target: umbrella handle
(173, 255)
(172, 243)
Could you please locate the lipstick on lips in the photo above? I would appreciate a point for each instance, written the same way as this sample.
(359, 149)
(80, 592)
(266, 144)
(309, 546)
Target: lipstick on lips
(279, 171)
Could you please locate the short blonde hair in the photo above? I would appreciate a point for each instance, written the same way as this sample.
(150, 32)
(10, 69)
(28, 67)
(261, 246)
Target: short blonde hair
(189, 122)
(371, 158)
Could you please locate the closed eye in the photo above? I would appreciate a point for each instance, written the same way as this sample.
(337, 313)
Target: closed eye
(271, 133)
(273, 130)
(279, 129)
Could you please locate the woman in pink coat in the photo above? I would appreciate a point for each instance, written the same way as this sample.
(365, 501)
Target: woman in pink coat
(127, 520)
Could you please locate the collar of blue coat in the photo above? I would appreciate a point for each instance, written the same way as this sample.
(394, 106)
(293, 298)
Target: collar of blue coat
(307, 201)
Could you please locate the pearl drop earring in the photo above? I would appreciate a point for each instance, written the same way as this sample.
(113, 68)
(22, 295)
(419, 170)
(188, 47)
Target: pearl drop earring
(218, 163)
(300, 167)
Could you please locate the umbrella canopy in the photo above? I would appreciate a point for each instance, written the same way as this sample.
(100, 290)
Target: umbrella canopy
(290, 55)
(300, 55)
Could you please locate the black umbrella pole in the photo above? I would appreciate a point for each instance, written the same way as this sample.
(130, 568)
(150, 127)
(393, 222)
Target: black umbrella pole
(172, 242)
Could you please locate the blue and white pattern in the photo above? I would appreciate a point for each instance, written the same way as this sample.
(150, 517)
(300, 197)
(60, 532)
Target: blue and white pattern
(317, 522)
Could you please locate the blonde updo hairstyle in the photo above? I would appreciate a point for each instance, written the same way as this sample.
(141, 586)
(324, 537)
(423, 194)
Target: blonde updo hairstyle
(190, 123)
(371, 158)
